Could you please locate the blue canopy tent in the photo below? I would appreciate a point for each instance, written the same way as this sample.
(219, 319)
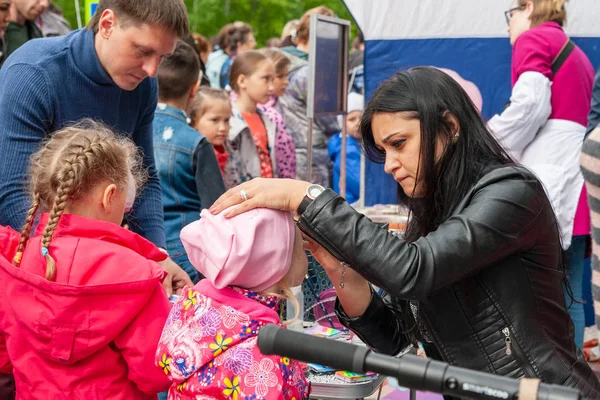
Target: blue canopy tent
(467, 36)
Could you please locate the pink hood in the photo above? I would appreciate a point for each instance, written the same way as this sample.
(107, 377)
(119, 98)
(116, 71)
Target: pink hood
(103, 315)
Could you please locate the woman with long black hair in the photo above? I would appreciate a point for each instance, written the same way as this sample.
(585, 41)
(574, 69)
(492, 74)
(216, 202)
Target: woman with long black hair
(478, 276)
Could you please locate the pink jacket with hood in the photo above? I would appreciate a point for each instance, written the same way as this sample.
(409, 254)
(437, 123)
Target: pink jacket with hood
(209, 348)
(209, 345)
(93, 333)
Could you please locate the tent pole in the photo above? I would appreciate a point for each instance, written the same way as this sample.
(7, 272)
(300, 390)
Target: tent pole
(342, 182)
(363, 173)
(78, 12)
(309, 152)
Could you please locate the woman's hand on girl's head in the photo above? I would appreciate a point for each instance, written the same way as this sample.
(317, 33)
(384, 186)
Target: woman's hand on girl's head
(277, 194)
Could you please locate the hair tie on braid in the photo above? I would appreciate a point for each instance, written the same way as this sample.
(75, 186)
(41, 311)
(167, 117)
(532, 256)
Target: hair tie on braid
(45, 251)
(17, 258)
(26, 232)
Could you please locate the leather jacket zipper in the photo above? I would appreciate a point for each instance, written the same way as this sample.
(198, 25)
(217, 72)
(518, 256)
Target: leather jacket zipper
(513, 347)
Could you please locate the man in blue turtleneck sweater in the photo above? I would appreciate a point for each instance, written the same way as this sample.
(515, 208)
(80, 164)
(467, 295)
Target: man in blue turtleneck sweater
(105, 72)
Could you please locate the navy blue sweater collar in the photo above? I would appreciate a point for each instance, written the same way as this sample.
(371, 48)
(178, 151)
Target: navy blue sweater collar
(86, 59)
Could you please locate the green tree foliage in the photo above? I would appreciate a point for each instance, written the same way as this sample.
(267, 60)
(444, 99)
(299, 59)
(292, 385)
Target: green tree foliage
(267, 17)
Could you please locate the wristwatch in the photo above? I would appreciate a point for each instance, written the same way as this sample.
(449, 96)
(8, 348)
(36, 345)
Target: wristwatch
(312, 193)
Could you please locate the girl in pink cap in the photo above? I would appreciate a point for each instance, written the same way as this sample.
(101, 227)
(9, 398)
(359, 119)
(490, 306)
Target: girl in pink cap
(209, 344)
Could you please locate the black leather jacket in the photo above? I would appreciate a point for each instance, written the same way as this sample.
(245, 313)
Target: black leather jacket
(487, 283)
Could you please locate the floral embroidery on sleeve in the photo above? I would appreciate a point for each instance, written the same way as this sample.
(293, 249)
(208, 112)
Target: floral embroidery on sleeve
(191, 299)
(209, 350)
(230, 316)
(165, 364)
(261, 377)
(211, 322)
(207, 374)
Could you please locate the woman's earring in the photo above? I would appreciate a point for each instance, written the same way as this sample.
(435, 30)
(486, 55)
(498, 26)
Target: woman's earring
(455, 137)
(344, 265)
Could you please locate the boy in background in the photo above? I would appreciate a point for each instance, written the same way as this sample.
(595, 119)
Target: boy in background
(189, 173)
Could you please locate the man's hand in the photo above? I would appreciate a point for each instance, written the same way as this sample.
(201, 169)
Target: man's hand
(177, 278)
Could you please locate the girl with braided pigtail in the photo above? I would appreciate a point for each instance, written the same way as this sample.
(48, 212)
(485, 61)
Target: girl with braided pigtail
(82, 306)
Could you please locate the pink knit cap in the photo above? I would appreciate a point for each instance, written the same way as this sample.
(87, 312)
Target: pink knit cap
(468, 86)
(252, 250)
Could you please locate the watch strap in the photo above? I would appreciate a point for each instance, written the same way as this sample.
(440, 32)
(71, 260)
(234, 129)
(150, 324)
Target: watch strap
(306, 201)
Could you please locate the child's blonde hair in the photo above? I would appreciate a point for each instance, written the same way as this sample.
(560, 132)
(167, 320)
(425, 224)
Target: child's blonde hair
(204, 99)
(70, 162)
(284, 288)
(285, 293)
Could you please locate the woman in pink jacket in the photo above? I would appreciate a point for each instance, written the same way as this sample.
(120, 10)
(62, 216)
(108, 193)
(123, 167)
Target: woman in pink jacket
(82, 305)
(544, 125)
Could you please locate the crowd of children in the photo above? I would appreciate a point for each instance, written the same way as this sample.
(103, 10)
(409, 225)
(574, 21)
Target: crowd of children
(207, 140)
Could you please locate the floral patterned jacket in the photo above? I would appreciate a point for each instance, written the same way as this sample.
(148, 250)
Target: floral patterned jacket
(209, 348)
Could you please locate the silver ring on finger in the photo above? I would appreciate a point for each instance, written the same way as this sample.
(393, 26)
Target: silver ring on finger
(243, 195)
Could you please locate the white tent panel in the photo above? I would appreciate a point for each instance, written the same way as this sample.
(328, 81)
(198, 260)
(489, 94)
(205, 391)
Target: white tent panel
(410, 19)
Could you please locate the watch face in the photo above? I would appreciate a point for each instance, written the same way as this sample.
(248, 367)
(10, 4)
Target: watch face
(314, 191)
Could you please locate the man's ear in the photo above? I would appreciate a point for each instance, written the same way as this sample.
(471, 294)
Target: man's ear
(107, 23)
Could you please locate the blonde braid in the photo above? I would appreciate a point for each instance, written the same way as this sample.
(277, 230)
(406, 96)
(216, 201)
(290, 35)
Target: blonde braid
(26, 232)
(66, 177)
(72, 162)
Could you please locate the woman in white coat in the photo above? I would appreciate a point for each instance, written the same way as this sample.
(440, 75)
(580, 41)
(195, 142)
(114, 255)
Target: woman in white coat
(544, 125)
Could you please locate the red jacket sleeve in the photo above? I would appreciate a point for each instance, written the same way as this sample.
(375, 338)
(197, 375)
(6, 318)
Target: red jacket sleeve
(532, 52)
(138, 343)
(5, 365)
(9, 241)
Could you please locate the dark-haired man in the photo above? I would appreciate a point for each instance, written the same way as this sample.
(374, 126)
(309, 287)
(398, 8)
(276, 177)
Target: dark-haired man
(22, 27)
(105, 72)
